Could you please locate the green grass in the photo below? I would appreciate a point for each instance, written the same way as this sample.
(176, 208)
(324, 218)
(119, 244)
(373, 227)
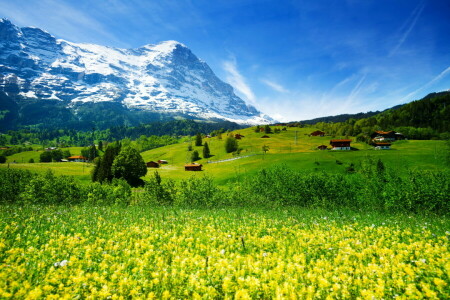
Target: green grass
(284, 149)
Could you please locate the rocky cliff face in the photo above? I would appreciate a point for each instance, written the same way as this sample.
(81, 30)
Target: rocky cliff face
(165, 78)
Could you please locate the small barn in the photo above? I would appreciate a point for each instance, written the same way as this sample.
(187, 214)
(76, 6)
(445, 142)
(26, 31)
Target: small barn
(340, 144)
(162, 162)
(193, 167)
(238, 136)
(317, 133)
(265, 137)
(382, 146)
(152, 164)
(322, 147)
(77, 158)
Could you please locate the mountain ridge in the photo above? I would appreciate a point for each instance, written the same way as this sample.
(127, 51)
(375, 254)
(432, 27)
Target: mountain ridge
(164, 78)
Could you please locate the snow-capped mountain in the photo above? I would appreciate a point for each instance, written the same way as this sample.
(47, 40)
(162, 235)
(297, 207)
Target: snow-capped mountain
(164, 78)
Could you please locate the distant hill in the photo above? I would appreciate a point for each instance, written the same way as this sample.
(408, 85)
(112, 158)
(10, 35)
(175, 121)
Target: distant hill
(432, 111)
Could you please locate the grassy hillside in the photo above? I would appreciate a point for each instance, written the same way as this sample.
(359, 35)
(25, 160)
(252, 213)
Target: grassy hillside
(301, 155)
(284, 149)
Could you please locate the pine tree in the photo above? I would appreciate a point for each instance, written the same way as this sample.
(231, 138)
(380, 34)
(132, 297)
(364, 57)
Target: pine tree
(198, 139)
(206, 152)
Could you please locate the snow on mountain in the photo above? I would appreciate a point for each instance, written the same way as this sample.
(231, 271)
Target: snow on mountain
(166, 77)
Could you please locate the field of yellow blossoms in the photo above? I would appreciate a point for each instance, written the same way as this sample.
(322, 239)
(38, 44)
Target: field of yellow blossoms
(118, 253)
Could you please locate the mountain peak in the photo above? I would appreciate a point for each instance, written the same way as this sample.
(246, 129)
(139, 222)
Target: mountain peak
(163, 78)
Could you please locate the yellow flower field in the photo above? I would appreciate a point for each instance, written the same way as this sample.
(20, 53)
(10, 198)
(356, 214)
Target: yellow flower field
(148, 253)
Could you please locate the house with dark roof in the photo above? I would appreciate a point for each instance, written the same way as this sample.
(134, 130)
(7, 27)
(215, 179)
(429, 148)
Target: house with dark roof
(317, 133)
(340, 144)
(152, 164)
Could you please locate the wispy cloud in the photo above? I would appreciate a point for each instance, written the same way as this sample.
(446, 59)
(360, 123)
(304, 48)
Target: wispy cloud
(428, 84)
(357, 88)
(407, 27)
(275, 86)
(62, 19)
(235, 78)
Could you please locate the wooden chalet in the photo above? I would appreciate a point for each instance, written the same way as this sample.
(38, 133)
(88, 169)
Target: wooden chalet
(340, 144)
(382, 145)
(317, 133)
(238, 136)
(265, 137)
(152, 164)
(193, 167)
(322, 147)
(77, 158)
(381, 136)
(162, 162)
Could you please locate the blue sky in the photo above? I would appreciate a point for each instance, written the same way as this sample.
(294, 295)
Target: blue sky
(294, 60)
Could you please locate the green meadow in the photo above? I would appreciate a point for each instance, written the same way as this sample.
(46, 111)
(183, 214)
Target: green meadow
(293, 148)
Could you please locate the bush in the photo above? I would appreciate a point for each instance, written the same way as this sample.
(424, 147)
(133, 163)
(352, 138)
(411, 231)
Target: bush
(13, 183)
(231, 144)
(195, 156)
(198, 192)
(156, 192)
(45, 156)
(2, 159)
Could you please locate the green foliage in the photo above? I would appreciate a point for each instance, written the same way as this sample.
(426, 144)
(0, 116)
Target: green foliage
(157, 192)
(206, 152)
(130, 166)
(13, 183)
(198, 192)
(267, 129)
(102, 169)
(45, 156)
(100, 145)
(195, 156)
(257, 128)
(57, 155)
(198, 139)
(116, 193)
(2, 159)
(66, 153)
(51, 189)
(190, 147)
(90, 152)
(31, 161)
(231, 144)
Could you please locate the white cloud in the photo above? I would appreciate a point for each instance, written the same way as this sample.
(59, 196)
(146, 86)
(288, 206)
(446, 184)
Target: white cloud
(238, 81)
(275, 86)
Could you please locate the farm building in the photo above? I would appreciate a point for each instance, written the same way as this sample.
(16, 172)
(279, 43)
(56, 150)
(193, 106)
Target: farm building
(77, 158)
(193, 167)
(317, 133)
(152, 164)
(322, 147)
(238, 136)
(382, 145)
(387, 136)
(162, 162)
(340, 144)
(265, 137)
(51, 148)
